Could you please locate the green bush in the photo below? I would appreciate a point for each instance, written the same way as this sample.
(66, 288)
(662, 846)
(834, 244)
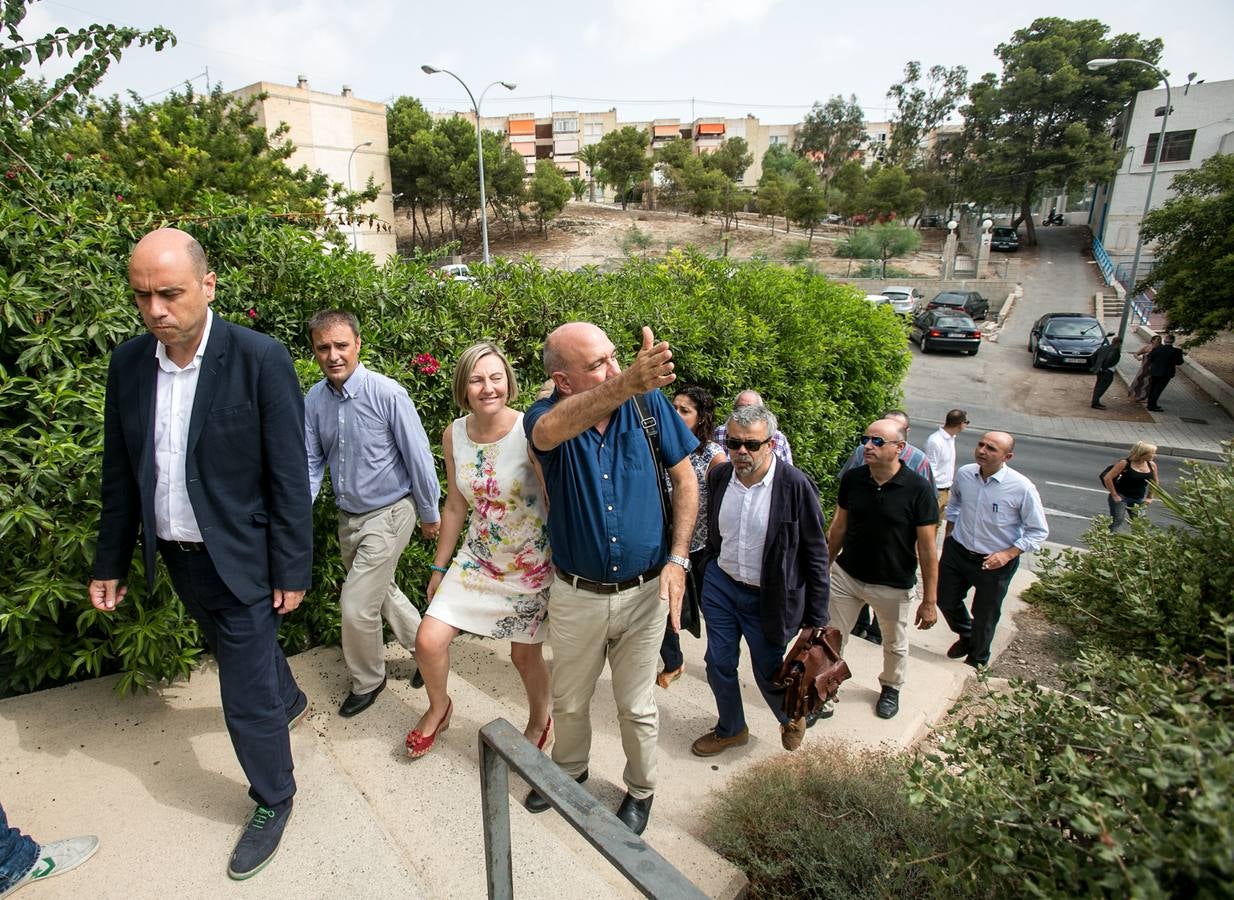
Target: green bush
(827, 822)
(1152, 591)
(1117, 787)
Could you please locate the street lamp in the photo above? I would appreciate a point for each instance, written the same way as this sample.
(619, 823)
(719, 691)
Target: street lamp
(475, 106)
(1094, 65)
(349, 190)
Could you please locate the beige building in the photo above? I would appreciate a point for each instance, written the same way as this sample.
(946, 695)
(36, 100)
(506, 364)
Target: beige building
(342, 136)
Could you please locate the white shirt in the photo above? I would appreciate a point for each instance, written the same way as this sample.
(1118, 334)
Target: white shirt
(996, 513)
(743, 527)
(940, 451)
(173, 408)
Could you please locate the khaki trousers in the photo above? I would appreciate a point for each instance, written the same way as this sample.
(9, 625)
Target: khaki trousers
(625, 628)
(890, 604)
(944, 495)
(371, 544)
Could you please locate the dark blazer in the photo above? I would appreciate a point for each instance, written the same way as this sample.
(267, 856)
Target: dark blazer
(795, 584)
(1163, 360)
(245, 467)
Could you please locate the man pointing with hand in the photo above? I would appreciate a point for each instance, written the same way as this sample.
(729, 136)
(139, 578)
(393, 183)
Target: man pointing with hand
(615, 564)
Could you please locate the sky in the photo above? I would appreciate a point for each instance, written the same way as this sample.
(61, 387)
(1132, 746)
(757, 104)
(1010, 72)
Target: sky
(647, 58)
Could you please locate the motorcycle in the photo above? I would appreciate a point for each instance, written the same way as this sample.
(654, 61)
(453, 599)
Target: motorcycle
(1054, 218)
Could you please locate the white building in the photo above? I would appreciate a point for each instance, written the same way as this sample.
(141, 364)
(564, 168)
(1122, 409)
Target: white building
(1201, 125)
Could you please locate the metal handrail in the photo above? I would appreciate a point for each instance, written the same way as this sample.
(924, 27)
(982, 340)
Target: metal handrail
(502, 748)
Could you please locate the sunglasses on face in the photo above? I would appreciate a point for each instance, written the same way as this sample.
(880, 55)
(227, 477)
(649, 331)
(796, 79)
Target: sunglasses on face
(876, 441)
(751, 446)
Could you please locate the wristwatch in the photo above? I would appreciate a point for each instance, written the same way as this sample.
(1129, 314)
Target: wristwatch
(683, 561)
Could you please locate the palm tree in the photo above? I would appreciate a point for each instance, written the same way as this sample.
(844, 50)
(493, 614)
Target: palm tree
(590, 157)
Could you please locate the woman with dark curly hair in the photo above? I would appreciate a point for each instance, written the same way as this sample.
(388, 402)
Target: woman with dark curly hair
(697, 409)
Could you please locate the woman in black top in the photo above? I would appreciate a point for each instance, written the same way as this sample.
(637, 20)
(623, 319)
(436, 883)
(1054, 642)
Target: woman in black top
(1131, 482)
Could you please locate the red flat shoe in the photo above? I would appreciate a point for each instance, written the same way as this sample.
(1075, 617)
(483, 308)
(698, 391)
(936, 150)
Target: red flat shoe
(419, 744)
(546, 736)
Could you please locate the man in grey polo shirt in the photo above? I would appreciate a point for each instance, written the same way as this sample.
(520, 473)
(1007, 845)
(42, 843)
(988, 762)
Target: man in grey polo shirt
(363, 425)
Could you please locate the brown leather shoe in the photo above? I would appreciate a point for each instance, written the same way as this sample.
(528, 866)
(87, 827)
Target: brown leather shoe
(792, 732)
(667, 677)
(709, 744)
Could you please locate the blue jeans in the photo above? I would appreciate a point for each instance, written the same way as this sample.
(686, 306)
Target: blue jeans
(1120, 510)
(731, 612)
(18, 853)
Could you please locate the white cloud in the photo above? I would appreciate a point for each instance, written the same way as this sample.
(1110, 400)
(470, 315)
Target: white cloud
(652, 27)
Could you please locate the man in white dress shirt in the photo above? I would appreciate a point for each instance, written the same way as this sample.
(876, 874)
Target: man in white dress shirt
(994, 515)
(940, 451)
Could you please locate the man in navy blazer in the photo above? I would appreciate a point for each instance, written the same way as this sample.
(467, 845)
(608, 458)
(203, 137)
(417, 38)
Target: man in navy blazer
(203, 457)
(766, 577)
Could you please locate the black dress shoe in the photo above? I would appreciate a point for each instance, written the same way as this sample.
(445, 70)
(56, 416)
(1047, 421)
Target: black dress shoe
(959, 649)
(888, 703)
(259, 841)
(633, 813)
(358, 703)
(537, 804)
(1155, 409)
(1098, 406)
(417, 680)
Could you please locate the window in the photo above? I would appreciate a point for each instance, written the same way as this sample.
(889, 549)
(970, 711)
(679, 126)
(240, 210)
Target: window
(774, 139)
(1177, 147)
(565, 126)
(593, 129)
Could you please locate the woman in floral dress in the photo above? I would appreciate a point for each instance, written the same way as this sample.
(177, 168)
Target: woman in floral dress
(497, 584)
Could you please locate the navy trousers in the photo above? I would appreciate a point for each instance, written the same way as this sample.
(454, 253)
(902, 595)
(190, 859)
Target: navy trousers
(18, 853)
(731, 612)
(958, 570)
(257, 687)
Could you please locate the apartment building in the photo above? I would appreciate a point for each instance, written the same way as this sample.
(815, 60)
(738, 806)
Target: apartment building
(337, 134)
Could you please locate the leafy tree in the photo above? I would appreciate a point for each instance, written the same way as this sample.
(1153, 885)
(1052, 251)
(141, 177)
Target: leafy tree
(1194, 257)
(883, 241)
(405, 119)
(773, 197)
(834, 131)
(549, 193)
(670, 165)
(731, 159)
(578, 186)
(636, 239)
(780, 159)
(1044, 121)
(807, 202)
(590, 157)
(505, 179)
(849, 185)
(890, 193)
(623, 154)
(705, 186)
(921, 108)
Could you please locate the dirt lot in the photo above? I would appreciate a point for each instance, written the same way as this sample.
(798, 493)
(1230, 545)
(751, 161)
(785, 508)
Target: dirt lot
(1217, 356)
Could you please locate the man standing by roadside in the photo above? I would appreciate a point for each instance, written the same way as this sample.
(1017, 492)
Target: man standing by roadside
(365, 428)
(616, 566)
(995, 515)
(1163, 361)
(940, 450)
(766, 577)
(203, 455)
(779, 443)
(885, 522)
(1105, 362)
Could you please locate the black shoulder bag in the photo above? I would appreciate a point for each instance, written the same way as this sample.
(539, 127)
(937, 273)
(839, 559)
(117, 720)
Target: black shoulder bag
(691, 617)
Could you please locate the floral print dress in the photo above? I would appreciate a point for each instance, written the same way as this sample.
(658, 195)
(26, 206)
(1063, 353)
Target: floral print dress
(497, 585)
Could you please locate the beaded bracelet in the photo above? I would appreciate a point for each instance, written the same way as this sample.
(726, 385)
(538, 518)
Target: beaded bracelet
(442, 569)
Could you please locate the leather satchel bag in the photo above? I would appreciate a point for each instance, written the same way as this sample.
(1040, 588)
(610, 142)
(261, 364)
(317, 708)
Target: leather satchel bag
(812, 672)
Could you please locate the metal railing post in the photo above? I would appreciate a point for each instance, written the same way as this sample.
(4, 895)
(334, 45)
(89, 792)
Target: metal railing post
(495, 810)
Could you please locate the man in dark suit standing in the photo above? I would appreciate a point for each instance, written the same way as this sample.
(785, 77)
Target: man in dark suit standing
(1163, 361)
(203, 456)
(766, 576)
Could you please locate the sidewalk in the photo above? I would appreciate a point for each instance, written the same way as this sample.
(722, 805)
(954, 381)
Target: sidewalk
(155, 777)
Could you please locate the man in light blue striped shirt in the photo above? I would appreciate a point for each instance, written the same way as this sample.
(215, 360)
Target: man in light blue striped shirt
(365, 428)
(993, 516)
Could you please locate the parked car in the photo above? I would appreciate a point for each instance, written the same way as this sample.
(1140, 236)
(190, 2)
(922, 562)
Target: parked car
(1004, 237)
(456, 272)
(903, 299)
(1066, 340)
(969, 302)
(930, 221)
(945, 329)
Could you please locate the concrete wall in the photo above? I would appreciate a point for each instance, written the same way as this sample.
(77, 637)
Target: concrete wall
(325, 128)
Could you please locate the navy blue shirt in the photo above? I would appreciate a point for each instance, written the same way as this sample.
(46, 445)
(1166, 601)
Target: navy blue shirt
(604, 519)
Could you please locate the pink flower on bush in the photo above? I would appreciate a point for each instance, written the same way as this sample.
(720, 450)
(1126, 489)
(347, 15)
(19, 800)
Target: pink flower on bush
(68, 157)
(10, 174)
(119, 198)
(427, 364)
(252, 313)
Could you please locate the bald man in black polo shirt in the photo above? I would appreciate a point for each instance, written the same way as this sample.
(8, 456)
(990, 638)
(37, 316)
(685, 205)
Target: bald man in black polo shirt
(884, 524)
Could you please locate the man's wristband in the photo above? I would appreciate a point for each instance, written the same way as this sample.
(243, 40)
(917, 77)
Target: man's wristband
(437, 568)
(683, 561)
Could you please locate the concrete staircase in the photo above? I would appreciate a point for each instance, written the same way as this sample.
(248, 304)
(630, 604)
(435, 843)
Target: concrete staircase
(156, 778)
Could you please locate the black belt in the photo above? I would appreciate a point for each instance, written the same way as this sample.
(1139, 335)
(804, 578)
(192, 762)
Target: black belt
(608, 587)
(182, 546)
(965, 552)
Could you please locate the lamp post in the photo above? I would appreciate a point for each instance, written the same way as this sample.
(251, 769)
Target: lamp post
(1094, 65)
(349, 190)
(475, 106)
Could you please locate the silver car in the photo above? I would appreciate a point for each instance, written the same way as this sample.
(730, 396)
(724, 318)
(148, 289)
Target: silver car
(902, 299)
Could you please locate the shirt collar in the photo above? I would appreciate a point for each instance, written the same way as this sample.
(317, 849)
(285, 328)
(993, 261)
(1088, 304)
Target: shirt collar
(997, 476)
(165, 363)
(353, 385)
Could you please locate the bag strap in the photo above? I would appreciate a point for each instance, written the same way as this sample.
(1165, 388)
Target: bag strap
(651, 432)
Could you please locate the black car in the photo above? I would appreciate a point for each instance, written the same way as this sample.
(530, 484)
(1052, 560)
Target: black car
(969, 302)
(930, 221)
(1066, 340)
(1004, 237)
(945, 329)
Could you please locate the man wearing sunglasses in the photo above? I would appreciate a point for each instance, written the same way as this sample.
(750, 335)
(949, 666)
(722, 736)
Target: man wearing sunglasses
(884, 524)
(766, 578)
